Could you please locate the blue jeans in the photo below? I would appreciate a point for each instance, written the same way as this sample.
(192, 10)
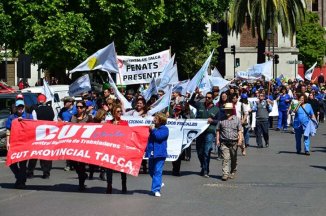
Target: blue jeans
(282, 119)
(204, 145)
(155, 171)
(246, 135)
(298, 137)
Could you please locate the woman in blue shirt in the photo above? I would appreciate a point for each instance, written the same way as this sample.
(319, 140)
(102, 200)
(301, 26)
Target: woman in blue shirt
(284, 101)
(303, 113)
(156, 151)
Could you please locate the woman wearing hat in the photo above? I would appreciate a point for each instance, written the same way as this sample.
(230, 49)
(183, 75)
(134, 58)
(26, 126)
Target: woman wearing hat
(19, 169)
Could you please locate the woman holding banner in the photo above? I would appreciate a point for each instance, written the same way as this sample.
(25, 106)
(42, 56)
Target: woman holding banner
(156, 151)
(116, 112)
(81, 117)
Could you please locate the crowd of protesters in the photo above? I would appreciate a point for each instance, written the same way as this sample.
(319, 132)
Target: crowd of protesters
(232, 113)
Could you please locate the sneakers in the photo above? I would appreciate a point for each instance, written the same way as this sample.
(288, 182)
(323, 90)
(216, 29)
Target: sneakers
(277, 129)
(206, 176)
(232, 176)
(162, 185)
(67, 168)
(225, 177)
(157, 194)
(307, 153)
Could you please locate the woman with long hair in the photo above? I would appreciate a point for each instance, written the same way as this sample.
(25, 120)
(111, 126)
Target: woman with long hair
(116, 112)
(81, 117)
(98, 118)
(303, 113)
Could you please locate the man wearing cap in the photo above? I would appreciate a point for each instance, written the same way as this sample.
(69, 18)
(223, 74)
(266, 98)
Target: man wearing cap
(229, 137)
(68, 110)
(19, 169)
(41, 112)
(65, 115)
(204, 142)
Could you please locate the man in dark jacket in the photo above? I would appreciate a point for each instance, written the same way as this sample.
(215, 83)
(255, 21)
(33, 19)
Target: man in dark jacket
(206, 110)
(42, 112)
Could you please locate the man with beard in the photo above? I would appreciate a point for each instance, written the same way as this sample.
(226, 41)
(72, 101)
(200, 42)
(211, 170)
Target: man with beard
(205, 110)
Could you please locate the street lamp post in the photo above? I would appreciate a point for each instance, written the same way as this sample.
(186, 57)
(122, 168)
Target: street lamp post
(269, 35)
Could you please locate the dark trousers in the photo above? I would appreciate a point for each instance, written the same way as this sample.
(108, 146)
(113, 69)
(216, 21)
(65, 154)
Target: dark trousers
(46, 166)
(19, 170)
(81, 172)
(321, 117)
(177, 165)
(187, 153)
(109, 173)
(261, 129)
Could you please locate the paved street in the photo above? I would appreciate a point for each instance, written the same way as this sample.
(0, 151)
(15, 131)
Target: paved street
(273, 181)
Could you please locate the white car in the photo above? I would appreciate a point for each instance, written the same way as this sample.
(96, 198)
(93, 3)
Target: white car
(60, 91)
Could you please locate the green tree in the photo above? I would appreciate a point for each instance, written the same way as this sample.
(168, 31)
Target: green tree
(311, 40)
(261, 15)
(59, 34)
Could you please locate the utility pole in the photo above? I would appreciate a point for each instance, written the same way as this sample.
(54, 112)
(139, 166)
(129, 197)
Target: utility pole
(233, 53)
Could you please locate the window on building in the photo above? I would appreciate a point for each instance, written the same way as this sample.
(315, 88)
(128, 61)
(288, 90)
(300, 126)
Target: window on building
(314, 5)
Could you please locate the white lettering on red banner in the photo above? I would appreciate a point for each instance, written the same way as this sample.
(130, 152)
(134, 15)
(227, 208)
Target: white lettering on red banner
(113, 146)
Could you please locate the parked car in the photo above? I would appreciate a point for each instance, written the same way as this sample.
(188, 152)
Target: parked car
(7, 103)
(5, 88)
(60, 91)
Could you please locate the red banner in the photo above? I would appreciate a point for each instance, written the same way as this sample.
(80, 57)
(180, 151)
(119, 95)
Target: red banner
(113, 146)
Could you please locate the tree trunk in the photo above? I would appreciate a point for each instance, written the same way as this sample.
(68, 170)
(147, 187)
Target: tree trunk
(260, 51)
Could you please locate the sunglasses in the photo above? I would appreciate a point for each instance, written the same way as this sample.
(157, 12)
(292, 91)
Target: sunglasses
(80, 107)
(208, 97)
(118, 111)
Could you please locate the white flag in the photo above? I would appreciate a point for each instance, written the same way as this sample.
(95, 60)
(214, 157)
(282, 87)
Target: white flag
(267, 70)
(82, 84)
(220, 82)
(169, 75)
(152, 90)
(309, 72)
(104, 59)
(205, 84)
(161, 103)
(298, 77)
(216, 73)
(47, 91)
(181, 85)
(196, 80)
(125, 102)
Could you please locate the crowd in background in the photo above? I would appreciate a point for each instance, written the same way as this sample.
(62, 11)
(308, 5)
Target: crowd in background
(244, 103)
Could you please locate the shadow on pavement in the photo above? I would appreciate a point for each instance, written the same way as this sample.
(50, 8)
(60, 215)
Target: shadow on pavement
(72, 188)
(287, 152)
(319, 167)
(319, 149)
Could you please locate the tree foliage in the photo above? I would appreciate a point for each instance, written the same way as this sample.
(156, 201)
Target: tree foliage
(311, 40)
(59, 34)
